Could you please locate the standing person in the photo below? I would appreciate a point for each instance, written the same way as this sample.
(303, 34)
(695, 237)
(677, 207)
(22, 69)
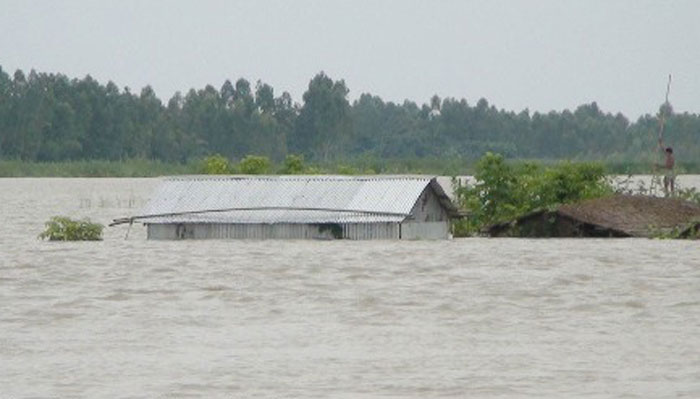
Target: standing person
(668, 166)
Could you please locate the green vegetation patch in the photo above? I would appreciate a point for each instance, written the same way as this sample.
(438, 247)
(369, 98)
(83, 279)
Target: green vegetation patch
(216, 165)
(505, 191)
(61, 228)
(94, 168)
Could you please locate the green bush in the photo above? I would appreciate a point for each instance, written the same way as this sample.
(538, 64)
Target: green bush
(255, 165)
(504, 191)
(216, 165)
(61, 228)
(294, 165)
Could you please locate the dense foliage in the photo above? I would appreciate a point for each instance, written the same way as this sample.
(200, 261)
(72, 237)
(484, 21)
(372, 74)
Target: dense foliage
(61, 228)
(216, 165)
(503, 191)
(49, 117)
(258, 165)
(255, 165)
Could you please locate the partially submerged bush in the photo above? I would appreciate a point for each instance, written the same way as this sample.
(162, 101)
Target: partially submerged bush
(61, 228)
(504, 191)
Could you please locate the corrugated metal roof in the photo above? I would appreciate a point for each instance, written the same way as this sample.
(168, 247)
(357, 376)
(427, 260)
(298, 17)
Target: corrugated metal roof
(276, 216)
(285, 199)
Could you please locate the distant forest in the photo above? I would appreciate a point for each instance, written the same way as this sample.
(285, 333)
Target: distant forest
(50, 117)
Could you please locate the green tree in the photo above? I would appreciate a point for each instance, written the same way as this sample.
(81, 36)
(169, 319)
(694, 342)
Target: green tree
(324, 125)
(265, 97)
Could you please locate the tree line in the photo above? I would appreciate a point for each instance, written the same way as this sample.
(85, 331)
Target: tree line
(50, 117)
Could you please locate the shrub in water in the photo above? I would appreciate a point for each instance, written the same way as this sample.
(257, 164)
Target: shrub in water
(61, 228)
(504, 191)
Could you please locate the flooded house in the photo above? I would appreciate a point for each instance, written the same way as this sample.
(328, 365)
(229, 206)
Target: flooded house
(613, 216)
(297, 207)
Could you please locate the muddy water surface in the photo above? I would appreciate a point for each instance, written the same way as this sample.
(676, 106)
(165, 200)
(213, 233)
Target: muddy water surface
(461, 318)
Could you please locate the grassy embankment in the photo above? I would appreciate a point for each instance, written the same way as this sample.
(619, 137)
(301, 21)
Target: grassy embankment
(130, 168)
(150, 168)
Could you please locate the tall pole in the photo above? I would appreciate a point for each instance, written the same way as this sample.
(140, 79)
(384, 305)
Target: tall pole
(662, 123)
(662, 120)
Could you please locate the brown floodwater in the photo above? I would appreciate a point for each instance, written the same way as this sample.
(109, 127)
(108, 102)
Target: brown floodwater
(478, 317)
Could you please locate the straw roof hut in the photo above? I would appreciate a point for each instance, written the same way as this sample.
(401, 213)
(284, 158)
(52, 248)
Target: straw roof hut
(614, 216)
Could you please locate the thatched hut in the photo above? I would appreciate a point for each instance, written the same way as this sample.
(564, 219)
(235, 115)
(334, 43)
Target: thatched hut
(614, 216)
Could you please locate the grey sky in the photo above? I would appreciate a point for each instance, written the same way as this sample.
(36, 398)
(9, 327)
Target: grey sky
(540, 55)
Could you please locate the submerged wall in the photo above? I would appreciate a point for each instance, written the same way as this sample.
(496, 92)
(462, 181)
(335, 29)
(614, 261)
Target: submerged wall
(358, 231)
(350, 231)
(425, 231)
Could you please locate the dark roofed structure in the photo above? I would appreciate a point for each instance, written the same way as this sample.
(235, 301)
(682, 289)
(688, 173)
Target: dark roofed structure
(614, 216)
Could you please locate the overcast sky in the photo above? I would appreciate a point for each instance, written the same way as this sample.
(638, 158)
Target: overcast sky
(542, 55)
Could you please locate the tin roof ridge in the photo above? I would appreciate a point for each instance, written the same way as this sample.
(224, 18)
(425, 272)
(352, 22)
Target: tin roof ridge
(299, 177)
